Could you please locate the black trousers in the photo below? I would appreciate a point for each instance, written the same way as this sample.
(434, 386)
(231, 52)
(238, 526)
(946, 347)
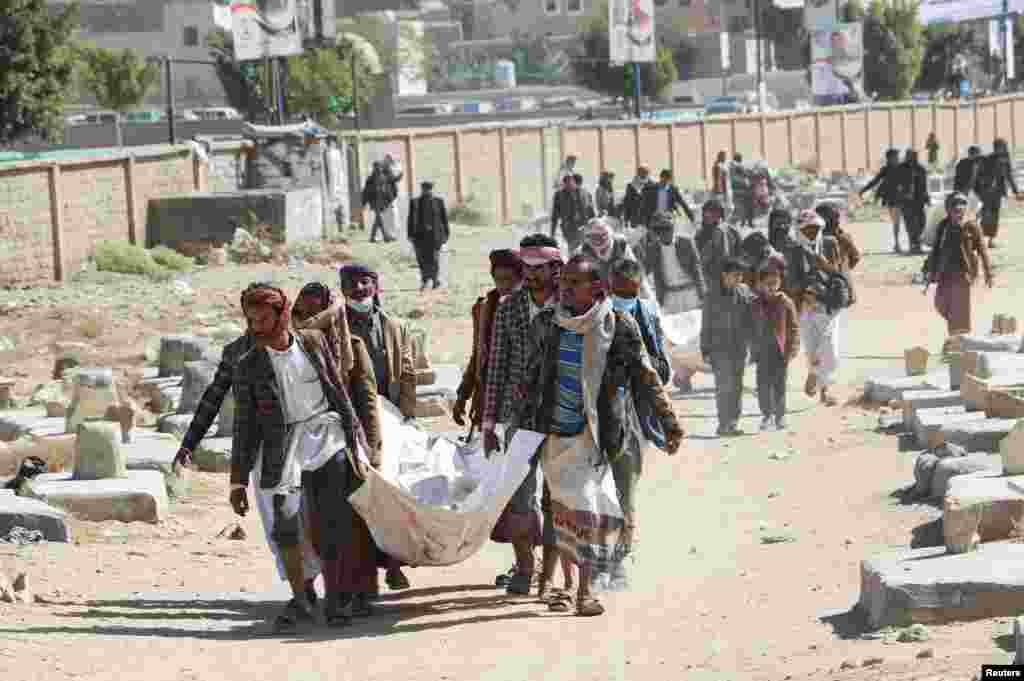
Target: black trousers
(771, 382)
(428, 257)
(914, 217)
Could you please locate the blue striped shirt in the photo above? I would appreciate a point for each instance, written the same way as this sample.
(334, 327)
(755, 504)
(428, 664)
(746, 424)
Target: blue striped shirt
(569, 417)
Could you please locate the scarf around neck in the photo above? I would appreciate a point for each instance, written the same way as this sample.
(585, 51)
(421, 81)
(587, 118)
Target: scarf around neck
(597, 326)
(774, 312)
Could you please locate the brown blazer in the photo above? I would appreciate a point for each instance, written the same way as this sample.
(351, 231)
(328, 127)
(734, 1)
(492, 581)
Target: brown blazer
(362, 386)
(398, 344)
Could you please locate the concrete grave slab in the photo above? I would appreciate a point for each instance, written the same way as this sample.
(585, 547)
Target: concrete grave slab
(139, 497)
(978, 436)
(931, 586)
(928, 423)
(175, 351)
(989, 343)
(977, 465)
(175, 425)
(991, 364)
(1001, 508)
(32, 514)
(149, 451)
(1011, 449)
(32, 421)
(927, 399)
(884, 388)
(168, 399)
(196, 378)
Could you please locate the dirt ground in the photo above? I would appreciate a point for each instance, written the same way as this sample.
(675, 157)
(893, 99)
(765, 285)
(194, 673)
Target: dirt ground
(710, 600)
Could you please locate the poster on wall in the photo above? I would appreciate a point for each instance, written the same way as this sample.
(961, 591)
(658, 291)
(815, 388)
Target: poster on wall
(631, 31)
(837, 70)
(265, 28)
(820, 13)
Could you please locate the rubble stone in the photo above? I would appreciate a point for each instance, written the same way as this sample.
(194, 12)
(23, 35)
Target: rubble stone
(984, 465)
(140, 496)
(32, 514)
(94, 392)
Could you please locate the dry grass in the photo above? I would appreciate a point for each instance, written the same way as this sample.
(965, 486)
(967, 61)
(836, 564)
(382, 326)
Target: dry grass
(90, 327)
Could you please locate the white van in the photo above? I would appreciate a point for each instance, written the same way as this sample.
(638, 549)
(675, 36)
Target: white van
(216, 113)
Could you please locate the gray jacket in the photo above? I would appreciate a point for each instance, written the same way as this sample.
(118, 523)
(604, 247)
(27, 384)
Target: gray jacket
(728, 322)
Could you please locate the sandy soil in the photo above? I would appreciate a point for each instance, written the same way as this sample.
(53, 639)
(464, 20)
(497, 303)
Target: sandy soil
(710, 600)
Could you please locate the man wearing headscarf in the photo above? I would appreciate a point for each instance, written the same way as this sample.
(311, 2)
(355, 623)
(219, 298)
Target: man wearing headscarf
(819, 325)
(520, 522)
(388, 342)
(206, 413)
(604, 196)
(606, 249)
(428, 232)
(297, 432)
(507, 274)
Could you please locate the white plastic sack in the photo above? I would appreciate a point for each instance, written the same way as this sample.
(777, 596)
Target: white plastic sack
(683, 330)
(438, 506)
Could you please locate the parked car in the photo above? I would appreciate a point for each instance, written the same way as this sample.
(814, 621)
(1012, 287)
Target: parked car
(722, 105)
(215, 113)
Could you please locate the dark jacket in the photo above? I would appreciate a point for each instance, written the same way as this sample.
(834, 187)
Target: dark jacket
(428, 227)
(628, 367)
(716, 244)
(966, 175)
(647, 320)
(888, 182)
(213, 397)
(972, 251)
(260, 428)
(471, 387)
(572, 209)
(675, 201)
(633, 211)
(380, 191)
(689, 259)
(727, 324)
(914, 184)
(764, 331)
(995, 176)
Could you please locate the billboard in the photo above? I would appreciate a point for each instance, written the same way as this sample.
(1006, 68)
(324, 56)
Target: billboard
(943, 11)
(837, 70)
(820, 13)
(631, 31)
(265, 28)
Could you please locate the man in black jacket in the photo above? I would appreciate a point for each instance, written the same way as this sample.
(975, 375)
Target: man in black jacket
(966, 176)
(428, 233)
(664, 197)
(633, 214)
(914, 183)
(995, 175)
(888, 182)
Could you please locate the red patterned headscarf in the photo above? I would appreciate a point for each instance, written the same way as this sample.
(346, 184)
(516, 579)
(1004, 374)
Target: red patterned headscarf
(275, 298)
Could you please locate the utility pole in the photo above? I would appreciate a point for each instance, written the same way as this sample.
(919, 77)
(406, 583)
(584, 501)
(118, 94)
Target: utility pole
(169, 77)
(760, 69)
(1006, 42)
(636, 89)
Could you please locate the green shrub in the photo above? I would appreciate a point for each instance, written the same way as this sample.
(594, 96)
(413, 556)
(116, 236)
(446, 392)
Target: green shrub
(171, 259)
(468, 213)
(124, 258)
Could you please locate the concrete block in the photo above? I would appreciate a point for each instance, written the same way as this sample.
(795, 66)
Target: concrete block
(168, 399)
(991, 364)
(94, 393)
(175, 351)
(175, 425)
(139, 497)
(98, 453)
(989, 343)
(927, 399)
(197, 377)
(1018, 640)
(32, 514)
(928, 423)
(1011, 449)
(978, 436)
(977, 465)
(149, 451)
(989, 507)
(33, 421)
(931, 586)
(885, 389)
(204, 216)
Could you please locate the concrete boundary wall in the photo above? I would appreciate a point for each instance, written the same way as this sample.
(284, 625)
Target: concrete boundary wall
(53, 212)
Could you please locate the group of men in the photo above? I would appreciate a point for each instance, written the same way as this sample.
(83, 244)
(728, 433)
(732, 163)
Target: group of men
(306, 380)
(902, 187)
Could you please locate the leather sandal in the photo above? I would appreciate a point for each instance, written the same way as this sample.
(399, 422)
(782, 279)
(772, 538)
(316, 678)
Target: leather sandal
(589, 607)
(560, 601)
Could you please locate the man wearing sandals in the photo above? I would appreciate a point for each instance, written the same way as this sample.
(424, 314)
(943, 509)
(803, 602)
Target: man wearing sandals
(297, 433)
(581, 353)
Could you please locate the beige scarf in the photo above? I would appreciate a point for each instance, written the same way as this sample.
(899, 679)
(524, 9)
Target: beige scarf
(597, 326)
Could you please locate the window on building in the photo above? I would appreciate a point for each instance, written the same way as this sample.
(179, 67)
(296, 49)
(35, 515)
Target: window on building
(574, 6)
(550, 6)
(191, 36)
(684, 3)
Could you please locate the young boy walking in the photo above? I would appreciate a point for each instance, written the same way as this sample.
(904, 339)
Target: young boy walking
(725, 338)
(776, 342)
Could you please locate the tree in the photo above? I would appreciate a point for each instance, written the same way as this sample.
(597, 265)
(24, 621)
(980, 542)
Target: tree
(316, 80)
(398, 46)
(241, 82)
(893, 45)
(943, 44)
(119, 80)
(596, 71)
(36, 69)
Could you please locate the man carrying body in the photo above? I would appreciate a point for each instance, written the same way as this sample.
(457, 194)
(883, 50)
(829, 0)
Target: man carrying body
(520, 523)
(390, 350)
(581, 353)
(428, 233)
(297, 432)
(507, 273)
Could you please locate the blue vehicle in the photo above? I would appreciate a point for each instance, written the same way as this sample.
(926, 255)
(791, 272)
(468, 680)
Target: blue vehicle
(722, 105)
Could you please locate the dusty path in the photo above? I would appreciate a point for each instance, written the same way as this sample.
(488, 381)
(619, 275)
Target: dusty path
(710, 600)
